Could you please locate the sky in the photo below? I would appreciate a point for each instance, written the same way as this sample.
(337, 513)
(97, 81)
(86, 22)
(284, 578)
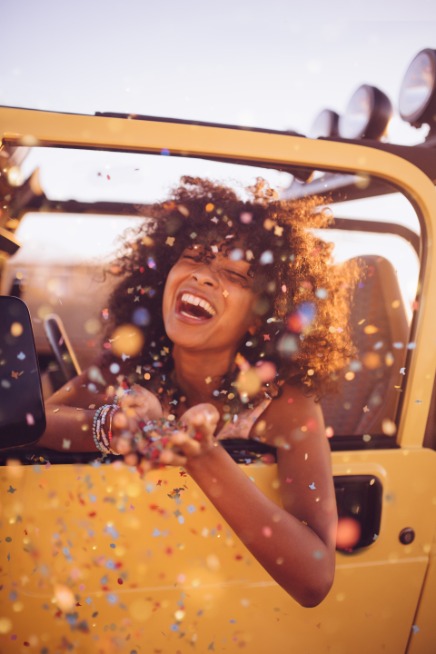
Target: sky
(272, 64)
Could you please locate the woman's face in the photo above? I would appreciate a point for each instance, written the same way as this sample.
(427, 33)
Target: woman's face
(208, 301)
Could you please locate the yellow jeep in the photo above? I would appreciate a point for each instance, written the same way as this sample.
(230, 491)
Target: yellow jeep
(96, 558)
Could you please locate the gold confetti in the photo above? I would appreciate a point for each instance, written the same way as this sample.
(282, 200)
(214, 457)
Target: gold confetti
(371, 360)
(389, 427)
(64, 598)
(248, 382)
(127, 340)
(16, 329)
(5, 625)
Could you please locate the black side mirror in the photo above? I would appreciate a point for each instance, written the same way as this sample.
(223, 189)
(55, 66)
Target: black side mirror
(22, 414)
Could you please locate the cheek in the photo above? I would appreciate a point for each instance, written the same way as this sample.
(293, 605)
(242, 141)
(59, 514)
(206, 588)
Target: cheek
(168, 292)
(243, 308)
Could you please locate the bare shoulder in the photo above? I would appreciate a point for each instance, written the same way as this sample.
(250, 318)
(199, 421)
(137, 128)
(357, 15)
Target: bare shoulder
(291, 414)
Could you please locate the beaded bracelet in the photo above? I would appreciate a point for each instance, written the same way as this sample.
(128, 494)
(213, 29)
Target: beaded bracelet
(102, 440)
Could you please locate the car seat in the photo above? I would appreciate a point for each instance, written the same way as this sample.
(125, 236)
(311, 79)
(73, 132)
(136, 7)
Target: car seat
(369, 389)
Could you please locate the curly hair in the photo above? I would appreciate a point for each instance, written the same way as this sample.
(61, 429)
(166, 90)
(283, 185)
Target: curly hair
(303, 298)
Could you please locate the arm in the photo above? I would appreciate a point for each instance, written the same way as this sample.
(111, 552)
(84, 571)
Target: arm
(294, 543)
(70, 413)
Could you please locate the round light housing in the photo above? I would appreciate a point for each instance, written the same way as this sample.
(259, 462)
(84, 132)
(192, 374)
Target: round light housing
(367, 114)
(325, 124)
(417, 104)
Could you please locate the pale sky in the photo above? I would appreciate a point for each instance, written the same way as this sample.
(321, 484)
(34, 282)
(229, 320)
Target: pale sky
(271, 64)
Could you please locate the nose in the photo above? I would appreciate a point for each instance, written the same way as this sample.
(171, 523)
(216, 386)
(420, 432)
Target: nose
(205, 275)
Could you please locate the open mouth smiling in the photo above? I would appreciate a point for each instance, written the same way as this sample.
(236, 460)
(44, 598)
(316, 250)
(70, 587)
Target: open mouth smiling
(195, 307)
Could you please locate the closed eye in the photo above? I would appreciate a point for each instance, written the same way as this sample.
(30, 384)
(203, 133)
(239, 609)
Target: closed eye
(236, 277)
(191, 257)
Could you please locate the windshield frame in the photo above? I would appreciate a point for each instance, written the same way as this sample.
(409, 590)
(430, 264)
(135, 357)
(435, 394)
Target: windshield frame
(281, 151)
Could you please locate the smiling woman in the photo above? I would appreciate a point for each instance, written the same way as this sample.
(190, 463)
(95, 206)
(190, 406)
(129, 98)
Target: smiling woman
(212, 290)
(229, 320)
(301, 299)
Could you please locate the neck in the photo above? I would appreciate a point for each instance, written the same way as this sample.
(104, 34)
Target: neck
(198, 378)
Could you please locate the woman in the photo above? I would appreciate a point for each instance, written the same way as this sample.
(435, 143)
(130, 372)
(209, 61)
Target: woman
(229, 322)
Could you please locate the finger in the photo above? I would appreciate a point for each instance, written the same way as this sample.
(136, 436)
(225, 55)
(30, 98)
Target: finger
(172, 458)
(143, 467)
(122, 444)
(131, 459)
(190, 447)
(119, 420)
(202, 416)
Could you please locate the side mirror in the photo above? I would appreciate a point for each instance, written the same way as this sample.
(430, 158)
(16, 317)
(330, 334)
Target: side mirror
(22, 414)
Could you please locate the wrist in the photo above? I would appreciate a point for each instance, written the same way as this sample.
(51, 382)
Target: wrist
(102, 428)
(205, 458)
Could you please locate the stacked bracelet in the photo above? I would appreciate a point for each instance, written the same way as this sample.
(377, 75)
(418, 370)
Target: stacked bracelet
(102, 439)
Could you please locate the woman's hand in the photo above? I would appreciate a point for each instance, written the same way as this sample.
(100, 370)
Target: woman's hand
(136, 407)
(146, 440)
(195, 438)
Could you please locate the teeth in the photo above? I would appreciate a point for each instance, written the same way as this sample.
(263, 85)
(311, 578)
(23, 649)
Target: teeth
(188, 298)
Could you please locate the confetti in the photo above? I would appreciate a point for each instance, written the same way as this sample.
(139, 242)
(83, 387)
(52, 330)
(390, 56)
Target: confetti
(266, 371)
(348, 533)
(141, 317)
(5, 625)
(127, 340)
(266, 257)
(64, 598)
(16, 329)
(151, 263)
(388, 427)
(246, 217)
(321, 293)
(248, 382)
(30, 420)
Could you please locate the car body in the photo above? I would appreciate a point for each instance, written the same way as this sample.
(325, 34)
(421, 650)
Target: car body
(96, 558)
